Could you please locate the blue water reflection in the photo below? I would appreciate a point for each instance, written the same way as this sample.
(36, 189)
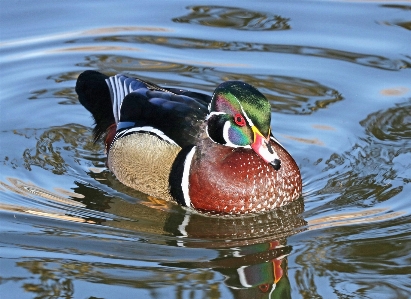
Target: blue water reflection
(337, 77)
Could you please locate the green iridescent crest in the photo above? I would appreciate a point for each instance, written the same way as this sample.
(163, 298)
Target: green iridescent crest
(229, 95)
(234, 108)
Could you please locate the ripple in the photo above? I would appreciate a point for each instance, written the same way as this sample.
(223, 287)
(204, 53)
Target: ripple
(393, 124)
(38, 201)
(374, 61)
(121, 63)
(376, 168)
(233, 17)
(55, 145)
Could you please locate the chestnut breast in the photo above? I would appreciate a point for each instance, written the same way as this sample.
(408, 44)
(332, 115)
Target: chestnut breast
(237, 181)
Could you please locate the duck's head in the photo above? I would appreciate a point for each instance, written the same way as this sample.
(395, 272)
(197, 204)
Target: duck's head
(240, 116)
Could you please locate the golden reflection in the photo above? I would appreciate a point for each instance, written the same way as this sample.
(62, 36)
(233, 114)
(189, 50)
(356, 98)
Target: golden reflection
(323, 127)
(93, 49)
(234, 17)
(314, 141)
(395, 91)
(150, 214)
(50, 214)
(362, 217)
(92, 32)
(58, 216)
(121, 64)
(373, 61)
(105, 30)
(68, 193)
(28, 189)
(41, 202)
(214, 64)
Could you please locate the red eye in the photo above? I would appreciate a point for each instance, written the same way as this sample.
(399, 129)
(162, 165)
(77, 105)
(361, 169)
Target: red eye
(239, 120)
(264, 287)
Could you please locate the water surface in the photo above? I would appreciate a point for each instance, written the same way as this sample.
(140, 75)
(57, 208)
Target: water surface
(337, 74)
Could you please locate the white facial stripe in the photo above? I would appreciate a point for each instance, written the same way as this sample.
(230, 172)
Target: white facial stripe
(250, 123)
(214, 113)
(242, 110)
(186, 176)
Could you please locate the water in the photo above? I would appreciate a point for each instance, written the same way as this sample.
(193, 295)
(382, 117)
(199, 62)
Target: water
(339, 79)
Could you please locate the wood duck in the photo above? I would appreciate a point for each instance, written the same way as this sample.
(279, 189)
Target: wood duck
(215, 153)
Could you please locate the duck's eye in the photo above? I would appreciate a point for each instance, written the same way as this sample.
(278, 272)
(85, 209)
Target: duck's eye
(239, 120)
(264, 287)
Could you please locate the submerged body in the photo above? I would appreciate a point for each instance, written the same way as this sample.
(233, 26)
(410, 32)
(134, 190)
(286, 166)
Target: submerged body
(215, 154)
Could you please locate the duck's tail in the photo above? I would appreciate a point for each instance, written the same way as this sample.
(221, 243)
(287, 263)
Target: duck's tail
(94, 95)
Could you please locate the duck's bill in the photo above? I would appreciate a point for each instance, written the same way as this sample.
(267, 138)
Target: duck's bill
(263, 148)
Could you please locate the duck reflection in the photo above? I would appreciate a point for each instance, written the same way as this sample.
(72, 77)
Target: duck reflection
(252, 251)
(258, 271)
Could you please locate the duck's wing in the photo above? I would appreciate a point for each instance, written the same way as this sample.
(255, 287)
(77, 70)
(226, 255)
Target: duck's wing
(141, 106)
(131, 102)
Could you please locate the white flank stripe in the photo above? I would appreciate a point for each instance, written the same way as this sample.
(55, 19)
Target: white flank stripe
(186, 176)
(149, 129)
(214, 113)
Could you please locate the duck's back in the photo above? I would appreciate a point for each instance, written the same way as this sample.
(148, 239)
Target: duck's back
(131, 102)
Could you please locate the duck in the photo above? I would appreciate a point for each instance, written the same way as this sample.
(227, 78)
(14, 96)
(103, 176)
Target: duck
(212, 153)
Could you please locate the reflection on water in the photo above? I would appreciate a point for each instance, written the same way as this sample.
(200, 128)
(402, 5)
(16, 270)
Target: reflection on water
(264, 277)
(336, 74)
(72, 140)
(233, 17)
(252, 250)
(377, 165)
(372, 61)
(391, 125)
